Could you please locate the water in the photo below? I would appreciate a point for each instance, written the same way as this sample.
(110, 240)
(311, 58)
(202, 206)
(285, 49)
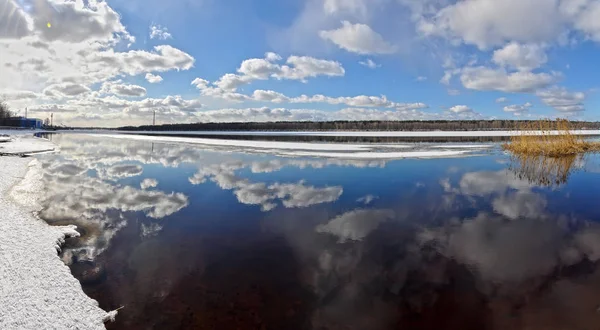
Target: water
(184, 237)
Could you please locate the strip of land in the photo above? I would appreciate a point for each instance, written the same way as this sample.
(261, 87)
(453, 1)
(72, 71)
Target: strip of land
(328, 150)
(37, 290)
(365, 133)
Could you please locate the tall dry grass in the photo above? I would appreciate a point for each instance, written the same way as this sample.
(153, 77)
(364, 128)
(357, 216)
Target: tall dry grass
(553, 138)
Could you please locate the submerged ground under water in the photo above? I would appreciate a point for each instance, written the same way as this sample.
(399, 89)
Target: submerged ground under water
(187, 237)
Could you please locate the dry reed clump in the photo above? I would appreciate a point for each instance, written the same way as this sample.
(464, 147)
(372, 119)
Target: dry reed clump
(549, 138)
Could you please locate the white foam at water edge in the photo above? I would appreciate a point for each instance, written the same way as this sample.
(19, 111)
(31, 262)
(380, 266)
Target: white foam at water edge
(37, 290)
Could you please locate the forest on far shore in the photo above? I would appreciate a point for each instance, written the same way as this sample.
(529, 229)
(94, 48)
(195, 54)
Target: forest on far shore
(430, 125)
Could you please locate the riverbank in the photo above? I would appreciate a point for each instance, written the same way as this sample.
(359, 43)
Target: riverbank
(37, 290)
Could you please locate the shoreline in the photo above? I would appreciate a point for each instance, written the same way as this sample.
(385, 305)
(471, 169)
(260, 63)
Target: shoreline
(37, 290)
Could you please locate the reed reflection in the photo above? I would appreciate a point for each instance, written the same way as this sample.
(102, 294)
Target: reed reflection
(543, 170)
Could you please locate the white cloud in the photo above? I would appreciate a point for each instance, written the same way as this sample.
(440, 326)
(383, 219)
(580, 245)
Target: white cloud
(121, 89)
(296, 68)
(164, 58)
(460, 109)
(501, 100)
(153, 79)
(487, 23)
(303, 67)
(520, 57)
(332, 7)
(159, 32)
(65, 90)
(562, 100)
(518, 109)
(74, 21)
(421, 78)
(486, 79)
(269, 96)
(358, 38)
(8, 95)
(369, 64)
(282, 114)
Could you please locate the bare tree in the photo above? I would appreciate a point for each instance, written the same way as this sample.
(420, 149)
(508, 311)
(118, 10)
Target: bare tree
(5, 112)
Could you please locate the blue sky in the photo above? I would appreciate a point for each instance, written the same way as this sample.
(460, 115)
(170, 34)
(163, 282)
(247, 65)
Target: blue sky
(99, 63)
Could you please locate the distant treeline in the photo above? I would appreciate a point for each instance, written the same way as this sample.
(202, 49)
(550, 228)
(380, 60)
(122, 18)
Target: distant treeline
(430, 125)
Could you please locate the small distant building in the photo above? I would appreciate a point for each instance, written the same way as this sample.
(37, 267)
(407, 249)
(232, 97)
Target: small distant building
(24, 122)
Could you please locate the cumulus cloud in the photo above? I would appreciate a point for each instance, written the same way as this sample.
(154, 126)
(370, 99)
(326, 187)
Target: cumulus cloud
(517, 109)
(562, 100)
(121, 89)
(487, 79)
(458, 109)
(369, 63)
(487, 23)
(76, 21)
(65, 90)
(520, 57)
(159, 32)
(153, 79)
(9, 95)
(332, 7)
(296, 68)
(358, 38)
(355, 225)
(282, 114)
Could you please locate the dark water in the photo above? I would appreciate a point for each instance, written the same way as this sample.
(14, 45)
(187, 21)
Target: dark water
(222, 240)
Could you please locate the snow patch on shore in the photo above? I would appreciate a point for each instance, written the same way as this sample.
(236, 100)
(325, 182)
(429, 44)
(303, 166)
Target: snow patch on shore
(25, 145)
(37, 290)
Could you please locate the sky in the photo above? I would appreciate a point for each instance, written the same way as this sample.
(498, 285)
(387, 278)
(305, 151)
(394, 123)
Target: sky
(116, 62)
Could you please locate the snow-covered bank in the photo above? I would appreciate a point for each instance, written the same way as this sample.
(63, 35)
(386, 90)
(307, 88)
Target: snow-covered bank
(327, 150)
(37, 290)
(22, 144)
(360, 133)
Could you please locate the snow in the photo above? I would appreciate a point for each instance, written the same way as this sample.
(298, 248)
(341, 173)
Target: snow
(37, 290)
(22, 144)
(328, 150)
(255, 144)
(381, 155)
(358, 133)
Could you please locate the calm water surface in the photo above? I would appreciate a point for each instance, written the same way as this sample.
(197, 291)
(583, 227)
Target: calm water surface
(185, 237)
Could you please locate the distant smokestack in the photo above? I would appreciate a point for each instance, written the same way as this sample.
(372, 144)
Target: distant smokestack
(154, 118)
